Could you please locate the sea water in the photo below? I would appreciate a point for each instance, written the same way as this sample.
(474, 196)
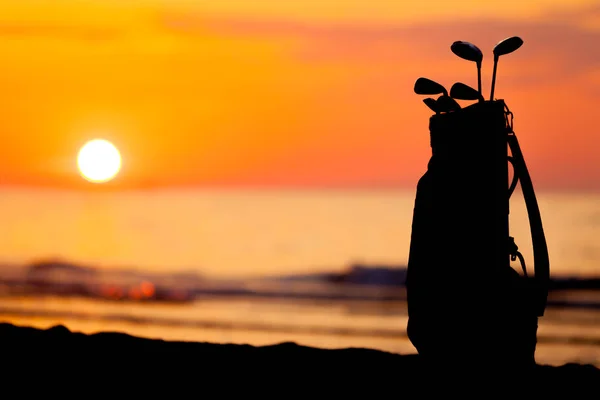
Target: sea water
(249, 234)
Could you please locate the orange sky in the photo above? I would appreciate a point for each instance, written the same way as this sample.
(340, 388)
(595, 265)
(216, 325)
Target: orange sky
(295, 92)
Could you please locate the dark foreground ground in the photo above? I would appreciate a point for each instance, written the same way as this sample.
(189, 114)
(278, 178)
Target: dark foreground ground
(122, 363)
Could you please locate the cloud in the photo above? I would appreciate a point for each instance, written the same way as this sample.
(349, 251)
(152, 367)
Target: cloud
(580, 15)
(562, 45)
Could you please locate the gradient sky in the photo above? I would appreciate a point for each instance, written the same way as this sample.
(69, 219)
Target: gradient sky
(294, 92)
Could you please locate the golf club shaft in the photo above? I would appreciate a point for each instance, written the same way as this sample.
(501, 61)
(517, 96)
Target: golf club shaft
(494, 78)
(479, 78)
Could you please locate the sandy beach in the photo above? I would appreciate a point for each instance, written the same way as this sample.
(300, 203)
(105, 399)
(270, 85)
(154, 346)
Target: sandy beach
(314, 369)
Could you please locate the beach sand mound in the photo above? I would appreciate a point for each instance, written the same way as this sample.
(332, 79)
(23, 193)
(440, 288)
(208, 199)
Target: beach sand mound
(109, 359)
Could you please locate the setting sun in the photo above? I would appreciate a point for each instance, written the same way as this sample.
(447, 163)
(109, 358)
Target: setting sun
(99, 161)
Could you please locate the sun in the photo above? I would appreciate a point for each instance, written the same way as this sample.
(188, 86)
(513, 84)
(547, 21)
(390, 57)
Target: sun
(99, 161)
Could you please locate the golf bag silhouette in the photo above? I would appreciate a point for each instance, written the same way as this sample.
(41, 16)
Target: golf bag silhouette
(465, 300)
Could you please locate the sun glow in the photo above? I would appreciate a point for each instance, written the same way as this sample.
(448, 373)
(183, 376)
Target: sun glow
(99, 161)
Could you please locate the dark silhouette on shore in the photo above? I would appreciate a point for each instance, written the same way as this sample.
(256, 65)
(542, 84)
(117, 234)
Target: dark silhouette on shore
(465, 300)
(117, 362)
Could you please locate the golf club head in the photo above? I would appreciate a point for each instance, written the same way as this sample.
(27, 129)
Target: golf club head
(467, 51)
(503, 47)
(429, 87)
(432, 104)
(461, 91)
(446, 104)
(507, 46)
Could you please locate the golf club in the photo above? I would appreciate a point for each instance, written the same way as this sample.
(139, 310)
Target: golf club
(432, 104)
(470, 52)
(461, 91)
(446, 104)
(503, 47)
(429, 87)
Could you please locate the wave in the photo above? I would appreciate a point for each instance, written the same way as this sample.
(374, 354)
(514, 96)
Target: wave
(363, 282)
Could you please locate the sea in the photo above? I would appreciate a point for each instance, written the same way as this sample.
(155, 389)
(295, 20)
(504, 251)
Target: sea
(319, 267)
